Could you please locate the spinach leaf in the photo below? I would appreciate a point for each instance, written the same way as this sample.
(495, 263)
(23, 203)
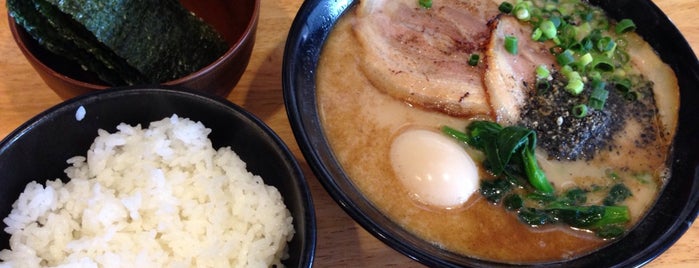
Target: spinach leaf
(510, 155)
(618, 193)
(508, 150)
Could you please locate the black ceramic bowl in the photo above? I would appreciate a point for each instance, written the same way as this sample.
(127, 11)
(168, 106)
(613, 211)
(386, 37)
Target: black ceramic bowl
(667, 220)
(38, 149)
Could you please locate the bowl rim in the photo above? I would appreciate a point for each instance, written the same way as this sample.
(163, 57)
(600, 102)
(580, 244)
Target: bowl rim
(247, 35)
(313, 22)
(309, 239)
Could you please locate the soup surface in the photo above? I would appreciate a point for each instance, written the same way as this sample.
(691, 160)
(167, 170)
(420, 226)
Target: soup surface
(361, 123)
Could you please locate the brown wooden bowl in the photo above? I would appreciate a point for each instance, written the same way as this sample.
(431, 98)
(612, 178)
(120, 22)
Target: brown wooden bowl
(235, 20)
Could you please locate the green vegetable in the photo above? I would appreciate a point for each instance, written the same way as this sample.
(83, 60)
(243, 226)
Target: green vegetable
(580, 110)
(575, 86)
(505, 7)
(521, 10)
(548, 29)
(473, 60)
(521, 186)
(599, 95)
(513, 202)
(583, 38)
(624, 26)
(542, 72)
(605, 221)
(425, 3)
(511, 44)
(565, 58)
(506, 150)
(494, 190)
(618, 193)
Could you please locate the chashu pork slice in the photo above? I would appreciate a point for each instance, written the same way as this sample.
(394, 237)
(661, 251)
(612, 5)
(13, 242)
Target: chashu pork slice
(509, 77)
(420, 55)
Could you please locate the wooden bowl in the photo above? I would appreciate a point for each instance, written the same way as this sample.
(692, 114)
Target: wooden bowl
(236, 21)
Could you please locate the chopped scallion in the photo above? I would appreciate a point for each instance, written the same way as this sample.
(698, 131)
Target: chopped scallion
(580, 110)
(584, 60)
(598, 98)
(575, 86)
(536, 34)
(566, 57)
(606, 44)
(623, 84)
(542, 72)
(548, 29)
(521, 10)
(602, 64)
(425, 3)
(505, 7)
(511, 44)
(473, 60)
(625, 25)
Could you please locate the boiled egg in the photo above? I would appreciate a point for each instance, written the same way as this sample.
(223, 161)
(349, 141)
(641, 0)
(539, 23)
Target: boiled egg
(435, 169)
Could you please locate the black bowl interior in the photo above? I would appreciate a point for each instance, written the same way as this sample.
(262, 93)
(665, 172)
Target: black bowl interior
(38, 149)
(670, 217)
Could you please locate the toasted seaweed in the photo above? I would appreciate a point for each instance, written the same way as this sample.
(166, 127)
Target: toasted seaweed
(149, 34)
(26, 15)
(73, 32)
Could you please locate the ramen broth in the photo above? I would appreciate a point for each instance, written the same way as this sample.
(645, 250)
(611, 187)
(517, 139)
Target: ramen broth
(360, 123)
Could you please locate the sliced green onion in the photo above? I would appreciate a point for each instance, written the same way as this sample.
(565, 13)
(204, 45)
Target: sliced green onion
(548, 29)
(473, 60)
(521, 10)
(624, 26)
(575, 86)
(584, 60)
(511, 44)
(602, 64)
(594, 75)
(587, 15)
(606, 44)
(542, 72)
(505, 7)
(598, 98)
(566, 70)
(573, 76)
(623, 84)
(580, 110)
(536, 34)
(595, 104)
(586, 44)
(425, 3)
(566, 57)
(556, 20)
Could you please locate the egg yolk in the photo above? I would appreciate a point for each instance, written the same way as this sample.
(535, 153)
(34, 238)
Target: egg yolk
(434, 168)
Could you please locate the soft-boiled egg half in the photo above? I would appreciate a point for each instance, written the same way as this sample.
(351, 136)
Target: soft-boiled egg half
(435, 169)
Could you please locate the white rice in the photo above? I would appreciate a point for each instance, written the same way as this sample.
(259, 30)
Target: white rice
(155, 197)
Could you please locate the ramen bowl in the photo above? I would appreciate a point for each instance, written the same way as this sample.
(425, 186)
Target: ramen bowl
(39, 148)
(666, 221)
(236, 21)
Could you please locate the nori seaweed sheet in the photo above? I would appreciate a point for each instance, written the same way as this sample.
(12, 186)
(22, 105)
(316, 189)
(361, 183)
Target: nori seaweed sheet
(27, 16)
(74, 32)
(160, 38)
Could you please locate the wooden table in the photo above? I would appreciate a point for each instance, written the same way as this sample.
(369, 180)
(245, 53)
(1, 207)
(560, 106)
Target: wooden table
(341, 241)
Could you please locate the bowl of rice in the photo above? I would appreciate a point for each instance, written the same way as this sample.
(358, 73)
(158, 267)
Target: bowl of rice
(152, 177)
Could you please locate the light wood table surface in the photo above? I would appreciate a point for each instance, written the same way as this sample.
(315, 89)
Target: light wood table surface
(341, 242)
